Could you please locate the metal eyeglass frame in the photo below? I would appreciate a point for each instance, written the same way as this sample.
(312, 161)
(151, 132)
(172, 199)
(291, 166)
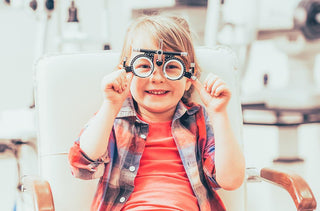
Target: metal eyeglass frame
(169, 56)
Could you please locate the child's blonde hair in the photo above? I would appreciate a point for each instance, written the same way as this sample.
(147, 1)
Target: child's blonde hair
(175, 33)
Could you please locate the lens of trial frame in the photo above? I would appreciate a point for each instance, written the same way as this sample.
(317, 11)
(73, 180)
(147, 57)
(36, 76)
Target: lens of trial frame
(173, 69)
(142, 67)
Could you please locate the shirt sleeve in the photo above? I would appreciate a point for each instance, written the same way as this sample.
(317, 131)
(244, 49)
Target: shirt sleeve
(82, 166)
(209, 154)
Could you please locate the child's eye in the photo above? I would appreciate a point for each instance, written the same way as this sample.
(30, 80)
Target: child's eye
(142, 69)
(143, 66)
(173, 67)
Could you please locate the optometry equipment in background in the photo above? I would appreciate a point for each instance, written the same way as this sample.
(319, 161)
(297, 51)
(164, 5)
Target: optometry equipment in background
(298, 102)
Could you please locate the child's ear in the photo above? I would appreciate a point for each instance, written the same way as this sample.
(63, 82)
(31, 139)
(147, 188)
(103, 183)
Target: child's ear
(188, 84)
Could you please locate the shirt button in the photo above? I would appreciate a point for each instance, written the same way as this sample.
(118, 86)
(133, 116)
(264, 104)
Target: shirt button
(122, 199)
(132, 168)
(143, 136)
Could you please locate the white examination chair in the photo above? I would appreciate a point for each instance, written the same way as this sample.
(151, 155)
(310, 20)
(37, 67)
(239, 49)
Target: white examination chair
(68, 94)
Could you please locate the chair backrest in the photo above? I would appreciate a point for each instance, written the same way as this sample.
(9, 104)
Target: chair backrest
(68, 94)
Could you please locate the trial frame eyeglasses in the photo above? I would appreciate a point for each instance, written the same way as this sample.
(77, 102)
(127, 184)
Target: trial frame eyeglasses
(173, 68)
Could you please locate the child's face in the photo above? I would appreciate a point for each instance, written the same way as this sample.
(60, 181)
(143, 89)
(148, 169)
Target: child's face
(156, 94)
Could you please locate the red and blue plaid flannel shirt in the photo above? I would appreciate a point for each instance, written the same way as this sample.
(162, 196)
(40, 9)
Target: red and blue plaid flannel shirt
(195, 142)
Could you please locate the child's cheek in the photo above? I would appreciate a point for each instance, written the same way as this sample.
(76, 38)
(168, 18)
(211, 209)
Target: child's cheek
(134, 86)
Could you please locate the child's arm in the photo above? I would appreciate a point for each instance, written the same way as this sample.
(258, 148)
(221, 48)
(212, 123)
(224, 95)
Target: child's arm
(229, 158)
(94, 139)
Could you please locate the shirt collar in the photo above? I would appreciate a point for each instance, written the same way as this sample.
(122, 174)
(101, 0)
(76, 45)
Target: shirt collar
(182, 108)
(127, 108)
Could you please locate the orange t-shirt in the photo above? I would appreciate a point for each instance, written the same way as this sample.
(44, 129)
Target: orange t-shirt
(161, 182)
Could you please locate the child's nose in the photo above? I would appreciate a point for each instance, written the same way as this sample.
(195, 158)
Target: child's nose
(157, 75)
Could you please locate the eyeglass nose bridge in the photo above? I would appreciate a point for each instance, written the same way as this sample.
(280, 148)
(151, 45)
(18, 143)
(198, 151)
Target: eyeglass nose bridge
(159, 60)
(159, 66)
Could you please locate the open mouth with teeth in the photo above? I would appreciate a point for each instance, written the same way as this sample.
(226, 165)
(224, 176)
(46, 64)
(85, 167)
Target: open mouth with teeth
(157, 92)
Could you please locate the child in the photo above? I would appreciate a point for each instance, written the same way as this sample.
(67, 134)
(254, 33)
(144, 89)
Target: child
(151, 148)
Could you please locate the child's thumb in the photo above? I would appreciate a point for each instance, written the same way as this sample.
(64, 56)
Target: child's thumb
(129, 77)
(197, 84)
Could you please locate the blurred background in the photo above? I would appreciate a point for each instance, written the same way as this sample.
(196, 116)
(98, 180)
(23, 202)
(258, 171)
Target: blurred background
(276, 43)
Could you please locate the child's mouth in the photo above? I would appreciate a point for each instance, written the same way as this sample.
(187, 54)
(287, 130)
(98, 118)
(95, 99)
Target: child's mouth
(157, 92)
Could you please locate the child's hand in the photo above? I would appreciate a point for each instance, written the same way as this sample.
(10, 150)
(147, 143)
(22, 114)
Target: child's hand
(214, 93)
(116, 86)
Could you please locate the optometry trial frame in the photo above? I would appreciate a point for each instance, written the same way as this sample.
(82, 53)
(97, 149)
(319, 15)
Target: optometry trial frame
(174, 68)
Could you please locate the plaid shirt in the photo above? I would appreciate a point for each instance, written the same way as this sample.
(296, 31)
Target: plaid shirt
(118, 167)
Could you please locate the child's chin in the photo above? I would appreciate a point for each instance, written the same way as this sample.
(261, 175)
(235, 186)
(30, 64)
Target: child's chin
(158, 108)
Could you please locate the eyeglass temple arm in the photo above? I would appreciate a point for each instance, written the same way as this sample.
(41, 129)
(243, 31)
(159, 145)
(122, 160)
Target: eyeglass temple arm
(126, 68)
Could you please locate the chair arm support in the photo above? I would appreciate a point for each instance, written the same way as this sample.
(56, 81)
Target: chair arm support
(41, 193)
(297, 187)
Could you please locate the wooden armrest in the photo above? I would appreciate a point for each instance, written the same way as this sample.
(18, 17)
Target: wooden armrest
(297, 187)
(43, 196)
(41, 193)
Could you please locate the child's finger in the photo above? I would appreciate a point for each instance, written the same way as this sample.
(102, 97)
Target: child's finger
(116, 86)
(209, 81)
(123, 75)
(216, 84)
(121, 82)
(124, 81)
(129, 77)
(224, 90)
(198, 85)
(220, 89)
